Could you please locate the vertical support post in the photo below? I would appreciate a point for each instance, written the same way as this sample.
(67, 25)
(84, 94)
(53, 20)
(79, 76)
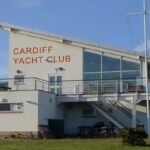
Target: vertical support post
(116, 86)
(48, 86)
(121, 90)
(146, 66)
(43, 85)
(134, 111)
(101, 86)
(97, 86)
(35, 85)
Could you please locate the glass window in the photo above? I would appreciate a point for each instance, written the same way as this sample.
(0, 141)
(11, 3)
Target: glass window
(92, 76)
(111, 76)
(18, 79)
(126, 65)
(59, 90)
(92, 62)
(52, 80)
(131, 74)
(59, 80)
(4, 107)
(110, 64)
(15, 107)
(89, 112)
(52, 90)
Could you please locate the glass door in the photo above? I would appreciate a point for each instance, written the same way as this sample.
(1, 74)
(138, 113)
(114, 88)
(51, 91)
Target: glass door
(55, 84)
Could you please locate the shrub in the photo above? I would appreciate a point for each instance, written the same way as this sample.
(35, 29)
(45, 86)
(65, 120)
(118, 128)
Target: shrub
(133, 136)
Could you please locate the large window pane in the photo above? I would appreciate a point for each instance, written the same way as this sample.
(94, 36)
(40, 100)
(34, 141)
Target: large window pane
(59, 80)
(131, 74)
(91, 62)
(111, 76)
(92, 76)
(110, 64)
(126, 65)
(52, 80)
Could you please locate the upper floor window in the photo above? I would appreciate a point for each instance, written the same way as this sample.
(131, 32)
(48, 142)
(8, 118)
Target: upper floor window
(92, 76)
(110, 64)
(13, 107)
(18, 79)
(92, 62)
(127, 65)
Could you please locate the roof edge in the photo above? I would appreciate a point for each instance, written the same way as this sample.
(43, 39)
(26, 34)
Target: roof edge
(7, 26)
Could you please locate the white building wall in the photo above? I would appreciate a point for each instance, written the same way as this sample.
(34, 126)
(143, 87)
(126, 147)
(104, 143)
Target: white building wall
(47, 107)
(41, 68)
(20, 121)
(73, 118)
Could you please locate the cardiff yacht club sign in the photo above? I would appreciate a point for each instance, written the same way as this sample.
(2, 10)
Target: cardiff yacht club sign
(36, 55)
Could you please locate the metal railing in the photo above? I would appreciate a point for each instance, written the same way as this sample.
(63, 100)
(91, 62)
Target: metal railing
(30, 83)
(75, 86)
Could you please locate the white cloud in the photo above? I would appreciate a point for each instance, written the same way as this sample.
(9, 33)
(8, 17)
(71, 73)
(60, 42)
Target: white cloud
(140, 48)
(29, 3)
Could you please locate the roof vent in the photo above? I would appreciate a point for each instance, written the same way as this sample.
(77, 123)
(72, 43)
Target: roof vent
(67, 41)
(14, 30)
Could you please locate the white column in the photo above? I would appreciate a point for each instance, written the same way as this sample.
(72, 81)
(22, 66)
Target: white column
(134, 111)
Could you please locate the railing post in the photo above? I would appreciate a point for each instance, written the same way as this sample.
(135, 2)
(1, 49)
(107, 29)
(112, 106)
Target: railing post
(120, 86)
(97, 86)
(43, 86)
(77, 88)
(48, 86)
(101, 86)
(35, 86)
(116, 86)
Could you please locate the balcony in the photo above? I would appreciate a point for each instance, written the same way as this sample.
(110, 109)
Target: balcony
(75, 87)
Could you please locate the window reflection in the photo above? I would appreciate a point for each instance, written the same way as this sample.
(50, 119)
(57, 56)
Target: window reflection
(92, 76)
(111, 76)
(91, 62)
(110, 69)
(111, 64)
(130, 74)
(126, 65)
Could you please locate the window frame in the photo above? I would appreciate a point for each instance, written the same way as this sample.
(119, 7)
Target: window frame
(19, 79)
(12, 107)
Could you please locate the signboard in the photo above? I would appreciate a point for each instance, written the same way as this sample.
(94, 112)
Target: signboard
(36, 55)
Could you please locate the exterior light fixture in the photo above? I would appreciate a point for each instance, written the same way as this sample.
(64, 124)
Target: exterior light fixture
(60, 69)
(19, 71)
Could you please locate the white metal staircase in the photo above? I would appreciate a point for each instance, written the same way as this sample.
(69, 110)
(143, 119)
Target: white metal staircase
(123, 110)
(103, 112)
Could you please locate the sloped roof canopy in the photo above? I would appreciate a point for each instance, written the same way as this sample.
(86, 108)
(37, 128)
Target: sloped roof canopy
(71, 41)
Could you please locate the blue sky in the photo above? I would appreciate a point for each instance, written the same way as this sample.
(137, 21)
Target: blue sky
(100, 21)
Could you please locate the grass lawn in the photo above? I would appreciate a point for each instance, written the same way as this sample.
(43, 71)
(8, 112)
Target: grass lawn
(68, 144)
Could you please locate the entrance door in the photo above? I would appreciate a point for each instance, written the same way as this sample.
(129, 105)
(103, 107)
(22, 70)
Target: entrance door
(55, 84)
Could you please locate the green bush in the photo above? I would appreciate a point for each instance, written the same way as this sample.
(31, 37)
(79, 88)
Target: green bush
(133, 136)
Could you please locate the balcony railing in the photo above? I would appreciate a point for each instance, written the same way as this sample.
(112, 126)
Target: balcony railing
(75, 86)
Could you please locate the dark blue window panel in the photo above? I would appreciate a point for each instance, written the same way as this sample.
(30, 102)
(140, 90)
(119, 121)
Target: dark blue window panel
(110, 64)
(126, 65)
(111, 76)
(92, 76)
(92, 62)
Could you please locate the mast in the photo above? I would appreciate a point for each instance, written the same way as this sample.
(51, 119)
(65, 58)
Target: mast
(146, 65)
(145, 13)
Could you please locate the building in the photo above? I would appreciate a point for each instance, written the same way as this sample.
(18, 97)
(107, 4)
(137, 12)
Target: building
(80, 83)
